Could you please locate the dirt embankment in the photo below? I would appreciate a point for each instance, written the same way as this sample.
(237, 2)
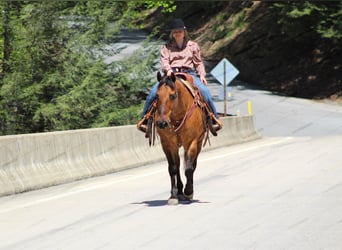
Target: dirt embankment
(288, 59)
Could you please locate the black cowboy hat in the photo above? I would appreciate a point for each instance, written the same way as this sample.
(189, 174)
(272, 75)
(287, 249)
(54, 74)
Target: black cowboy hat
(177, 24)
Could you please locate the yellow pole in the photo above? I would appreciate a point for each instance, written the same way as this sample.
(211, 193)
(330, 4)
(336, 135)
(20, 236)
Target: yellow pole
(249, 107)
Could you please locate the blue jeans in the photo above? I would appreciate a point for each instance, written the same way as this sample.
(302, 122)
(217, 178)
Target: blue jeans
(202, 88)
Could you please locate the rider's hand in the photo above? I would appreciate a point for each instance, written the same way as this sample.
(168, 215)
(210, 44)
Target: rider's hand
(169, 72)
(204, 80)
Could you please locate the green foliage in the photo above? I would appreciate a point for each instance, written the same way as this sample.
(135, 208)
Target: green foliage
(101, 95)
(35, 50)
(167, 6)
(18, 102)
(55, 80)
(325, 17)
(235, 22)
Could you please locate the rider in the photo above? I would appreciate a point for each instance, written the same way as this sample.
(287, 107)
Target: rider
(180, 54)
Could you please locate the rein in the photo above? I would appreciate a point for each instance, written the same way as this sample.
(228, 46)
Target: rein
(192, 108)
(196, 102)
(187, 115)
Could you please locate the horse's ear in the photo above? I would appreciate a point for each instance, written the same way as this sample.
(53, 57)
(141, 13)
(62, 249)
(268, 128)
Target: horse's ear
(173, 77)
(159, 76)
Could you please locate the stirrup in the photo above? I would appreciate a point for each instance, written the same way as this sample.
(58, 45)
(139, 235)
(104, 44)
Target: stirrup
(142, 124)
(214, 124)
(218, 122)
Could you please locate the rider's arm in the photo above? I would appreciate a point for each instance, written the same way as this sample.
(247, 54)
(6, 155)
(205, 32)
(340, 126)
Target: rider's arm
(198, 63)
(165, 59)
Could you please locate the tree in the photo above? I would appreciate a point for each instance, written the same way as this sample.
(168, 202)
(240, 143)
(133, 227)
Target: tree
(51, 79)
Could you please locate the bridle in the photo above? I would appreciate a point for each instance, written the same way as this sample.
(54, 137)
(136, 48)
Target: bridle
(177, 124)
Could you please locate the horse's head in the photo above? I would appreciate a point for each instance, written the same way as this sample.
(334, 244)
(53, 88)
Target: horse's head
(166, 99)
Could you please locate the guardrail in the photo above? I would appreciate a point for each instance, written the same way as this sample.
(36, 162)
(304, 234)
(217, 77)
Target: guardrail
(34, 161)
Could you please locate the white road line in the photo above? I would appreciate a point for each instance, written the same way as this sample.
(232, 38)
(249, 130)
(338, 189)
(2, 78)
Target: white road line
(134, 177)
(81, 190)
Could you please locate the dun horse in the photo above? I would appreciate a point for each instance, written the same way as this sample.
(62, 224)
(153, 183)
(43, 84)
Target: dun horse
(180, 121)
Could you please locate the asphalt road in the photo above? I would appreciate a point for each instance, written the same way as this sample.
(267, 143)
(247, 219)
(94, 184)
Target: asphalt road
(280, 115)
(283, 191)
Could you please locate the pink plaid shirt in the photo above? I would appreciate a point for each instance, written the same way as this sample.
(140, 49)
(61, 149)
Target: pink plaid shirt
(189, 56)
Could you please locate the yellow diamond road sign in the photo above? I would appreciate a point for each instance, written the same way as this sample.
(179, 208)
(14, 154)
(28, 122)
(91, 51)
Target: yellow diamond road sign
(224, 71)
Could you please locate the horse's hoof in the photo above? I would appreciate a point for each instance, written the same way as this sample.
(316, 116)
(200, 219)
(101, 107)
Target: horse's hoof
(189, 197)
(172, 201)
(181, 197)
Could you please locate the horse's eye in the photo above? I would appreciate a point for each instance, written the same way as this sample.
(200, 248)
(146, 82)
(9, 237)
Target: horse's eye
(173, 96)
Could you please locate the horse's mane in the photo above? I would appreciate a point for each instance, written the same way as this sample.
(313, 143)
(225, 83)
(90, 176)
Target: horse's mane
(183, 80)
(168, 81)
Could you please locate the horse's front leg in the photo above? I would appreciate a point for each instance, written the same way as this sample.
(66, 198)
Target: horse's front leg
(190, 155)
(173, 172)
(176, 182)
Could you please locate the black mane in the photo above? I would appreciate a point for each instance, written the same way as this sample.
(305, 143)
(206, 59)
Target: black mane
(168, 81)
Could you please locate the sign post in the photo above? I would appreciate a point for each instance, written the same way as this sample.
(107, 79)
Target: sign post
(224, 72)
(224, 89)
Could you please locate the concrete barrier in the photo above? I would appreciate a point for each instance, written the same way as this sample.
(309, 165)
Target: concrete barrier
(34, 161)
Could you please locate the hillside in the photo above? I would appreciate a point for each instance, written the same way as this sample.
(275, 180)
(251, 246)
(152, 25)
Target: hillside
(290, 59)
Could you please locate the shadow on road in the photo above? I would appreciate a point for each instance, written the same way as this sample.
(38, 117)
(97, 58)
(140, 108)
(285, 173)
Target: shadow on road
(160, 203)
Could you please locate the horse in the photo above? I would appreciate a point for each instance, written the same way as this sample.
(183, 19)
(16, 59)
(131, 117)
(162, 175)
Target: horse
(180, 122)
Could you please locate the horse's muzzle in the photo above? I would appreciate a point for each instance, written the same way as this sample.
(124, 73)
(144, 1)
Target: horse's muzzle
(162, 124)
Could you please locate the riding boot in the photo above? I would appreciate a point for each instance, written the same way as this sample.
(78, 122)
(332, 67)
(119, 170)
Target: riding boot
(213, 123)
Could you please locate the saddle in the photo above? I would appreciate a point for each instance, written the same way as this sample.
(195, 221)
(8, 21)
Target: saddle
(146, 123)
